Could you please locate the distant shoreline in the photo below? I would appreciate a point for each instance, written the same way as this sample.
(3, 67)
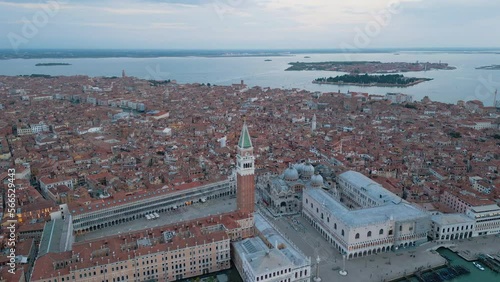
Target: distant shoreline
(356, 67)
(390, 80)
(51, 64)
(490, 67)
(7, 54)
(373, 84)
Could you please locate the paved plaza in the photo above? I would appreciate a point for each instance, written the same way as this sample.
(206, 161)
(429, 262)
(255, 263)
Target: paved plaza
(380, 267)
(210, 207)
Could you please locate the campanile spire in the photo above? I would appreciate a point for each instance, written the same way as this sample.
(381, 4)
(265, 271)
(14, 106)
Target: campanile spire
(245, 173)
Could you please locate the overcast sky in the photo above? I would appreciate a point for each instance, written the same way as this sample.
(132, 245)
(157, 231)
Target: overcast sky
(249, 24)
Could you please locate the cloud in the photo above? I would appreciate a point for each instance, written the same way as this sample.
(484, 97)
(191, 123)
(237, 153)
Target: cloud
(136, 11)
(148, 26)
(29, 4)
(256, 23)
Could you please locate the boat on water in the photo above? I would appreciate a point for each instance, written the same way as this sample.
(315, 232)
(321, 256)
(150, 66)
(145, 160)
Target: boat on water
(267, 60)
(476, 264)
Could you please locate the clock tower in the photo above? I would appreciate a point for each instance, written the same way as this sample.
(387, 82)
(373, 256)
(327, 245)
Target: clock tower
(245, 170)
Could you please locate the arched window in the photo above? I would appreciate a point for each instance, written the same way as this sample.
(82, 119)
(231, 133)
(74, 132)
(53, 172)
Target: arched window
(342, 232)
(357, 236)
(401, 228)
(369, 234)
(381, 232)
(322, 216)
(335, 226)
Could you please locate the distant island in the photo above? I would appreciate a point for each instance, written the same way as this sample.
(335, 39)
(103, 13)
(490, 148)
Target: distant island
(367, 66)
(389, 80)
(492, 67)
(52, 64)
(267, 60)
(37, 75)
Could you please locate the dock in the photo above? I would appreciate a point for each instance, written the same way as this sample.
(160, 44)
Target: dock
(443, 274)
(490, 262)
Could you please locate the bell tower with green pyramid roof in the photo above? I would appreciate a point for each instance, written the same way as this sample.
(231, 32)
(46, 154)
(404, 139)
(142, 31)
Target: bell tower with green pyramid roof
(245, 173)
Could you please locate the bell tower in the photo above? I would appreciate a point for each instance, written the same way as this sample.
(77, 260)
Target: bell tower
(245, 173)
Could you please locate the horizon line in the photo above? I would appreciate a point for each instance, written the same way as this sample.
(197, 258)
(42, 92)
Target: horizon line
(261, 49)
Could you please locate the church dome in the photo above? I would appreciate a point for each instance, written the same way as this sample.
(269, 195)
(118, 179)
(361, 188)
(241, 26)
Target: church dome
(308, 171)
(291, 174)
(299, 167)
(317, 180)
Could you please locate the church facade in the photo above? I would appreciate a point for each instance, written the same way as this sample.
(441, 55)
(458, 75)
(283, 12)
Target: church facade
(282, 194)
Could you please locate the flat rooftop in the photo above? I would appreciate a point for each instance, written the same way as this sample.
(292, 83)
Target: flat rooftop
(452, 218)
(369, 187)
(361, 217)
(54, 237)
(486, 208)
(260, 257)
(274, 237)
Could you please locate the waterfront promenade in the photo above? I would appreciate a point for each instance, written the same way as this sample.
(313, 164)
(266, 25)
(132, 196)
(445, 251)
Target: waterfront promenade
(380, 267)
(471, 249)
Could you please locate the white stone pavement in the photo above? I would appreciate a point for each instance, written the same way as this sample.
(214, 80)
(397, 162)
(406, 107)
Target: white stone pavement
(211, 207)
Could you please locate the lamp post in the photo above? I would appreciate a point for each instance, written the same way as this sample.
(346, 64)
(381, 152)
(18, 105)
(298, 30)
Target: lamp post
(317, 278)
